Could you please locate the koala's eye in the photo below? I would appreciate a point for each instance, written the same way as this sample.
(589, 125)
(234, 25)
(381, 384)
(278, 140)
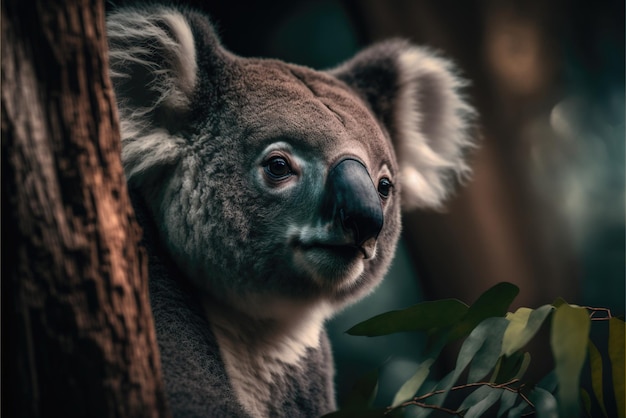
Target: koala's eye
(384, 187)
(277, 168)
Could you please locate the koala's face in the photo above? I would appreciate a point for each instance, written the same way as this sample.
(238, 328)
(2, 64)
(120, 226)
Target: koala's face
(291, 192)
(274, 180)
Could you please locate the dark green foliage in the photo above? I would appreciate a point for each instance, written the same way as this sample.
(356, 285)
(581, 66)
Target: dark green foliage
(427, 316)
(491, 363)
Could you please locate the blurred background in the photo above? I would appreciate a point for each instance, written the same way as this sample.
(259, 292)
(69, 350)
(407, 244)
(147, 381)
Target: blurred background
(545, 207)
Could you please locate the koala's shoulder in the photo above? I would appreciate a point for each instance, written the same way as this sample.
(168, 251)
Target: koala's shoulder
(190, 355)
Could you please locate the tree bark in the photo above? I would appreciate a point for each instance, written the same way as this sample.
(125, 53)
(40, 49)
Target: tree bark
(77, 331)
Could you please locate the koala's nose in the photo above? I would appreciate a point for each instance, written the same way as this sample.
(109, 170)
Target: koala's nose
(352, 199)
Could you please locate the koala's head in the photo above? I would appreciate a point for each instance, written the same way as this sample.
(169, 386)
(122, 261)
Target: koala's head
(272, 179)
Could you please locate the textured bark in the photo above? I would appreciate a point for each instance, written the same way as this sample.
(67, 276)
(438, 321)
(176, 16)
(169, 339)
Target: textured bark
(77, 332)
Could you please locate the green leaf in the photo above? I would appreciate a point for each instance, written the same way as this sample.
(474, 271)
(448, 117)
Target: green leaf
(545, 404)
(523, 366)
(595, 364)
(497, 371)
(525, 323)
(411, 386)
(474, 397)
(506, 402)
(558, 302)
(444, 384)
(478, 396)
(494, 302)
(519, 410)
(420, 412)
(481, 348)
(509, 368)
(364, 391)
(488, 400)
(586, 401)
(490, 347)
(568, 339)
(425, 316)
(616, 355)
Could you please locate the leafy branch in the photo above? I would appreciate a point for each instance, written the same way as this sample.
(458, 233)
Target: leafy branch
(492, 357)
(417, 400)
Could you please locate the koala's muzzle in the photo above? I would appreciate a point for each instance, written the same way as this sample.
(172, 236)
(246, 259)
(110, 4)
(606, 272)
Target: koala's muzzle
(352, 201)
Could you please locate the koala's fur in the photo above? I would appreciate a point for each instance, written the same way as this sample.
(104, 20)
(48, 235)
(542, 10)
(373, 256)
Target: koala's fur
(244, 269)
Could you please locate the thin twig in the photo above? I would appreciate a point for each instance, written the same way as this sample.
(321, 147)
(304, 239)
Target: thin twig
(526, 399)
(594, 311)
(471, 385)
(417, 401)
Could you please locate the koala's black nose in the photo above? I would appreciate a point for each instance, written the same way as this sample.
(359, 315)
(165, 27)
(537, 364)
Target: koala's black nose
(352, 199)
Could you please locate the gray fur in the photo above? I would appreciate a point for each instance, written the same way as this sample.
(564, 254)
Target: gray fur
(421, 104)
(243, 270)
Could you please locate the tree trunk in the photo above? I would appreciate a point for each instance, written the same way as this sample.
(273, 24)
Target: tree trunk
(77, 331)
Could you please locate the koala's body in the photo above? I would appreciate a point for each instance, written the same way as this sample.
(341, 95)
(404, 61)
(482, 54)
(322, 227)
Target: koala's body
(270, 197)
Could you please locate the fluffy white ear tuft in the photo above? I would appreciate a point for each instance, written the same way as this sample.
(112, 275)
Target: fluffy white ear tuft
(153, 67)
(153, 52)
(433, 123)
(416, 95)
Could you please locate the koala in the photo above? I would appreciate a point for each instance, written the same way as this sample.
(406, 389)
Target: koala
(270, 197)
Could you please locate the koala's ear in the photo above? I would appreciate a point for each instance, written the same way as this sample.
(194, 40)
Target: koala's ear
(416, 95)
(153, 61)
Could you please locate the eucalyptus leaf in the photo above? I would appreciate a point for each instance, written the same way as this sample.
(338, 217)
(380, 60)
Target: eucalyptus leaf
(524, 324)
(595, 364)
(512, 367)
(491, 333)
(472, 345)
(411, 386)
(558, 302)
(520, 409)
(484, 404)
(419, 412)
(493, 303)
(480, 343)
(425, 316)
(523, 366)
(545, 404)
(476, 396)
(568, 339)
(506, 402)
(616, 355)
(497, 371)
(518, 321)
(444, 384)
